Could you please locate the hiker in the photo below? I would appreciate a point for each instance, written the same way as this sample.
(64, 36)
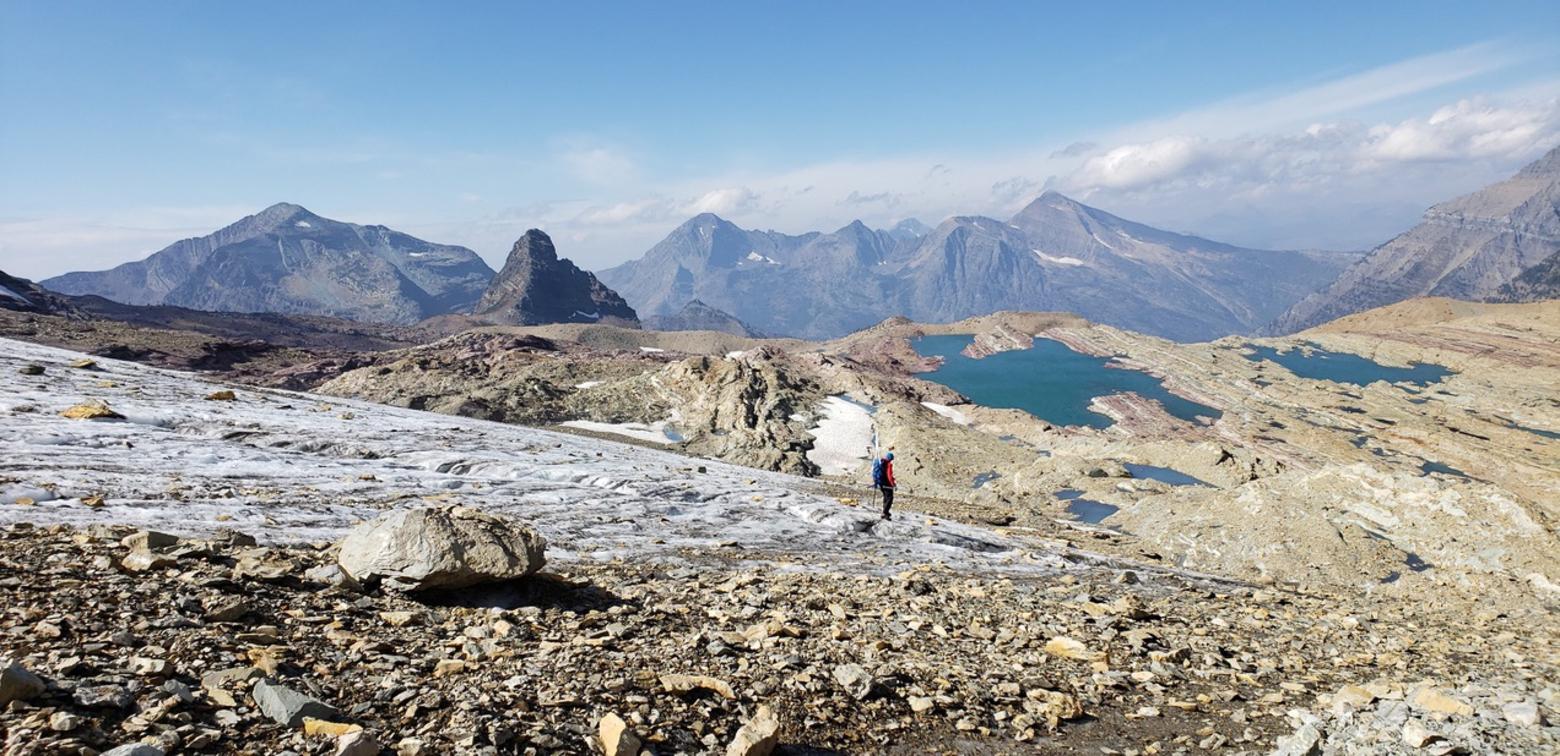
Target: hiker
(883, 479)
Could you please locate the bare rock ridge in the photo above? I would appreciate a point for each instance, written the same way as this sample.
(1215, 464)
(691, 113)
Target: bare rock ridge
(288, 260)
(698, 316)
(1056, 254)
(1495, 244)
(536, 286)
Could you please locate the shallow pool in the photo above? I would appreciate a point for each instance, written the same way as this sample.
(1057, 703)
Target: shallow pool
(1342, 367)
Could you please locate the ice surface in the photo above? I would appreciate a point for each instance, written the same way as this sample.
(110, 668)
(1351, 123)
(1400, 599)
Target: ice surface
(948, 412)
(844, 436)
(288, 467)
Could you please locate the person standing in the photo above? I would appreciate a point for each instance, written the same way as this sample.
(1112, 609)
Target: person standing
(883, 479)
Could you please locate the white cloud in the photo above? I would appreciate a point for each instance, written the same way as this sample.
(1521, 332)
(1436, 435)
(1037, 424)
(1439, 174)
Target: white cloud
(727, 201)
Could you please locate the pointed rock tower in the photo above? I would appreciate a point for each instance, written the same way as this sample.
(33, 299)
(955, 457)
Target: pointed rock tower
(537, 287)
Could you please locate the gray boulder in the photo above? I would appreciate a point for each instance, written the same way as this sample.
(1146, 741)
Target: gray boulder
(445, 547)
(17, 684)
(286, 706)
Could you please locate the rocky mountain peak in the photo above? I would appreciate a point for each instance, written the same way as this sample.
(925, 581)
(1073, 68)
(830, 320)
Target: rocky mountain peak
(536, 286)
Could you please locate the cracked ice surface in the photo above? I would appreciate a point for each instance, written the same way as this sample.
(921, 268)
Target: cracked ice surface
(287, 466)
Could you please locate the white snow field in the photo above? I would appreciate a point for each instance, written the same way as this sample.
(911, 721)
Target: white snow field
(843, 437)
(287, 466)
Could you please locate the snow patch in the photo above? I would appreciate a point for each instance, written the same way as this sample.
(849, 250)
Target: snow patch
(735, 355)
(417, 254)
(8, 294)
(591, 315)
(652, 350)
(1058, 260)
(843, 436)
(304, 224)
(655, 433)
(756, 257)
(588, 384)
(956, 416)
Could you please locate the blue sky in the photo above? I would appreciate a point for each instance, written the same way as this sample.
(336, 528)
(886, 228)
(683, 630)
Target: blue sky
(129, 125)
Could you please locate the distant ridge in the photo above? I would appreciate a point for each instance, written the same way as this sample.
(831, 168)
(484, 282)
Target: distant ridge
(1055, 254)
(536, 286)
(285, 259)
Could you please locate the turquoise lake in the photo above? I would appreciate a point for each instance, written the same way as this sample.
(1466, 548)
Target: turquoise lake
(1049, 381)
(1342, 367)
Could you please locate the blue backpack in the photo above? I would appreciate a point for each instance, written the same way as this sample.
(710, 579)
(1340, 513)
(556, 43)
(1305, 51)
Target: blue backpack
(877, 473)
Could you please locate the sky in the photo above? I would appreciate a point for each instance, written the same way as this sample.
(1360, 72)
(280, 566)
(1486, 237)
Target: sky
(127, 126)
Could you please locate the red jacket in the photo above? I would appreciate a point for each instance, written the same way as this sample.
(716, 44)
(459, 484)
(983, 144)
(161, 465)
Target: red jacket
(888, 472)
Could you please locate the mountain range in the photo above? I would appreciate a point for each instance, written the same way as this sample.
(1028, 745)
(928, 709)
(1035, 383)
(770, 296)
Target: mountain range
(285, 259)
(1501, 243)
(1055, 254)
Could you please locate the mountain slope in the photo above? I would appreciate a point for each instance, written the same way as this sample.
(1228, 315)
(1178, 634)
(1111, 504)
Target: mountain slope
(698, 316)
(1056, 254)
(536, 287)
(286, 259)
(1491, 244)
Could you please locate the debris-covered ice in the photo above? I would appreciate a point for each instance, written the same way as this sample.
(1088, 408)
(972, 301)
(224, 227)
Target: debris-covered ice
(288, 466)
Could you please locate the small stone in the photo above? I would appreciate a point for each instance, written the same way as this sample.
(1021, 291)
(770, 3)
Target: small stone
(231, 609)
(325, 728)
(103, 697)
(690, 683)
(142, 665)
(758, 737)
(1523, 713)
(358, 743)
(224, 677)
(921, 704)
(1351, 697)
(1068, 648)
(142, 560)
(854, 680)
(400, 619)
(149, 539)
(84, 364)
(64, 721)
(98, 411)
(1436, 702)
(17, 684)
(31, 370)
(286, 706)
(225, 395)
(616, 740)
(1415, 735)
(410, 747)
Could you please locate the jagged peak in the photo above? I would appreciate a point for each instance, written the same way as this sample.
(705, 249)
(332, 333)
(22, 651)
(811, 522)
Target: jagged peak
(535, 244)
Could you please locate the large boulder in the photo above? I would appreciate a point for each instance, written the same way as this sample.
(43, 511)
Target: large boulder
(444, 547)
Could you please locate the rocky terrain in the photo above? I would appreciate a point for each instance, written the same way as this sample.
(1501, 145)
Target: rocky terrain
(1056, 254)
(685, 607)
(1499, 243)
(288, 260)
(536, 287)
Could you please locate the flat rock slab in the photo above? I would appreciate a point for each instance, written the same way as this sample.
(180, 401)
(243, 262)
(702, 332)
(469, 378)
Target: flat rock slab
(286, 706)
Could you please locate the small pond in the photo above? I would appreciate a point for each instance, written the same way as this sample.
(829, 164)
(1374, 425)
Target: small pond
(1342, 367)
